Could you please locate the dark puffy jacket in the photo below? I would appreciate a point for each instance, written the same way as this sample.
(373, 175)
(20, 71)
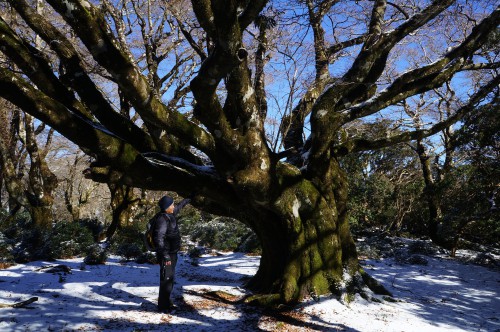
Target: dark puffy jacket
(166, 235)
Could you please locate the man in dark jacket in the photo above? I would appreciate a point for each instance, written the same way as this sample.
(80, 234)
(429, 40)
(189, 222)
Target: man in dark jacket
(167, 240)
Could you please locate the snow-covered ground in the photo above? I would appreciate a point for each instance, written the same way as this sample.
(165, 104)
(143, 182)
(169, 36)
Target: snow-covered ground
(444, 295)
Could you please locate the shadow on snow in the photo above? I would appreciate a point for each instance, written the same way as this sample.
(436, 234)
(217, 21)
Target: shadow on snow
(444, 292)
(109, 297)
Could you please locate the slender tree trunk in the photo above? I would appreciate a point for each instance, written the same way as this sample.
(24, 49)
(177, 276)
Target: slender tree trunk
(122, 203)
(42, 181)
(431, 194)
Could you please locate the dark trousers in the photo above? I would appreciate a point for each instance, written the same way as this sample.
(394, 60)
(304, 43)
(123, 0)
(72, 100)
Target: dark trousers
(166, 283)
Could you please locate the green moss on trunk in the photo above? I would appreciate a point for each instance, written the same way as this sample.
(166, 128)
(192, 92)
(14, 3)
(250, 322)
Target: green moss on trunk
(306, 242)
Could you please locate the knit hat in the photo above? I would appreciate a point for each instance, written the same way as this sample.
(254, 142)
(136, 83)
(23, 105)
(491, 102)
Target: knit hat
(165, 202)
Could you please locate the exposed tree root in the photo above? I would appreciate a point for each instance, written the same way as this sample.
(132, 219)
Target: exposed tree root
(264, 300)
(373, 284)
(357, 285)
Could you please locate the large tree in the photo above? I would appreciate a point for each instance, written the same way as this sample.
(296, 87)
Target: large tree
(213, 139)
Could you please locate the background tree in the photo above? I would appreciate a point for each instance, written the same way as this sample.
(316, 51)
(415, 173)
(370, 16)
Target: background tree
(30, 186)
(384, 185)
(216, 145)
(12, 157)
(473, 208)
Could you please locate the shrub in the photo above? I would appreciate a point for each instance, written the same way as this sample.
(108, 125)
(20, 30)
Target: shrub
(32, 245)
(129, 250)
(128, 241)
(96, 255)
(223, 234)
(95, 226)
(67, 240)
(6, 246)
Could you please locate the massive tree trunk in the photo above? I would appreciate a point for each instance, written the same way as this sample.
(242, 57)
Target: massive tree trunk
(307, 248)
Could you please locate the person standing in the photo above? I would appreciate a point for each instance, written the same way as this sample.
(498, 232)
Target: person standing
(167, 240)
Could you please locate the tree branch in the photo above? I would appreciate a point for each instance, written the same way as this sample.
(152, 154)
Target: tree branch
(90, 25)
(478, 66)
(292, 126)
(345, 44)
(359, 81)
(251, 12)
(357, 145)
(401, 10)
(77, 76)
(117, 161)
(35, 66)
(205, 16)
(427, 77)
(88, 135)
(191, 41)
(378, 11)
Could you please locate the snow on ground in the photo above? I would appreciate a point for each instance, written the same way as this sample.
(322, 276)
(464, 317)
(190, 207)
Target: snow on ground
(444, 295)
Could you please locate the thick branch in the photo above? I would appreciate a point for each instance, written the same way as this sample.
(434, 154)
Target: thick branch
(292, 126)
(428, 77)
(478, 66)
(90, 95)
(30, 61)
(357, 145)
(421, 18)
(227, 60)
(89, 136)
(117, 161)
(205, 16)
(378, 11)
(367, 64)
(260, 62)
(170, 173)
(359, 82)
(90, 25)
(251, 12)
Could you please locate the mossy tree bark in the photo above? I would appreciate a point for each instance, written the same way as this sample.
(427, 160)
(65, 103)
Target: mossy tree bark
(307, 248)
(295, 200)
(123, 201)
(33, 192)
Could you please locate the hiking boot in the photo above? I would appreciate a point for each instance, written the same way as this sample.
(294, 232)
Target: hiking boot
(168, 308)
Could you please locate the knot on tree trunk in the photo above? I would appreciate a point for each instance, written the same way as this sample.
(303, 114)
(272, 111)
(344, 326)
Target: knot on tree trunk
(242, 54)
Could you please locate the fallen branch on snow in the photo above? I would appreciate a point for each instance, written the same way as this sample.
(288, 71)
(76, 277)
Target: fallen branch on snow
(19, 304)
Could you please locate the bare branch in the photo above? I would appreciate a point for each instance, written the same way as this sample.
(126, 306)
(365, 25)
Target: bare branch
(191, 41)
(345, 44)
